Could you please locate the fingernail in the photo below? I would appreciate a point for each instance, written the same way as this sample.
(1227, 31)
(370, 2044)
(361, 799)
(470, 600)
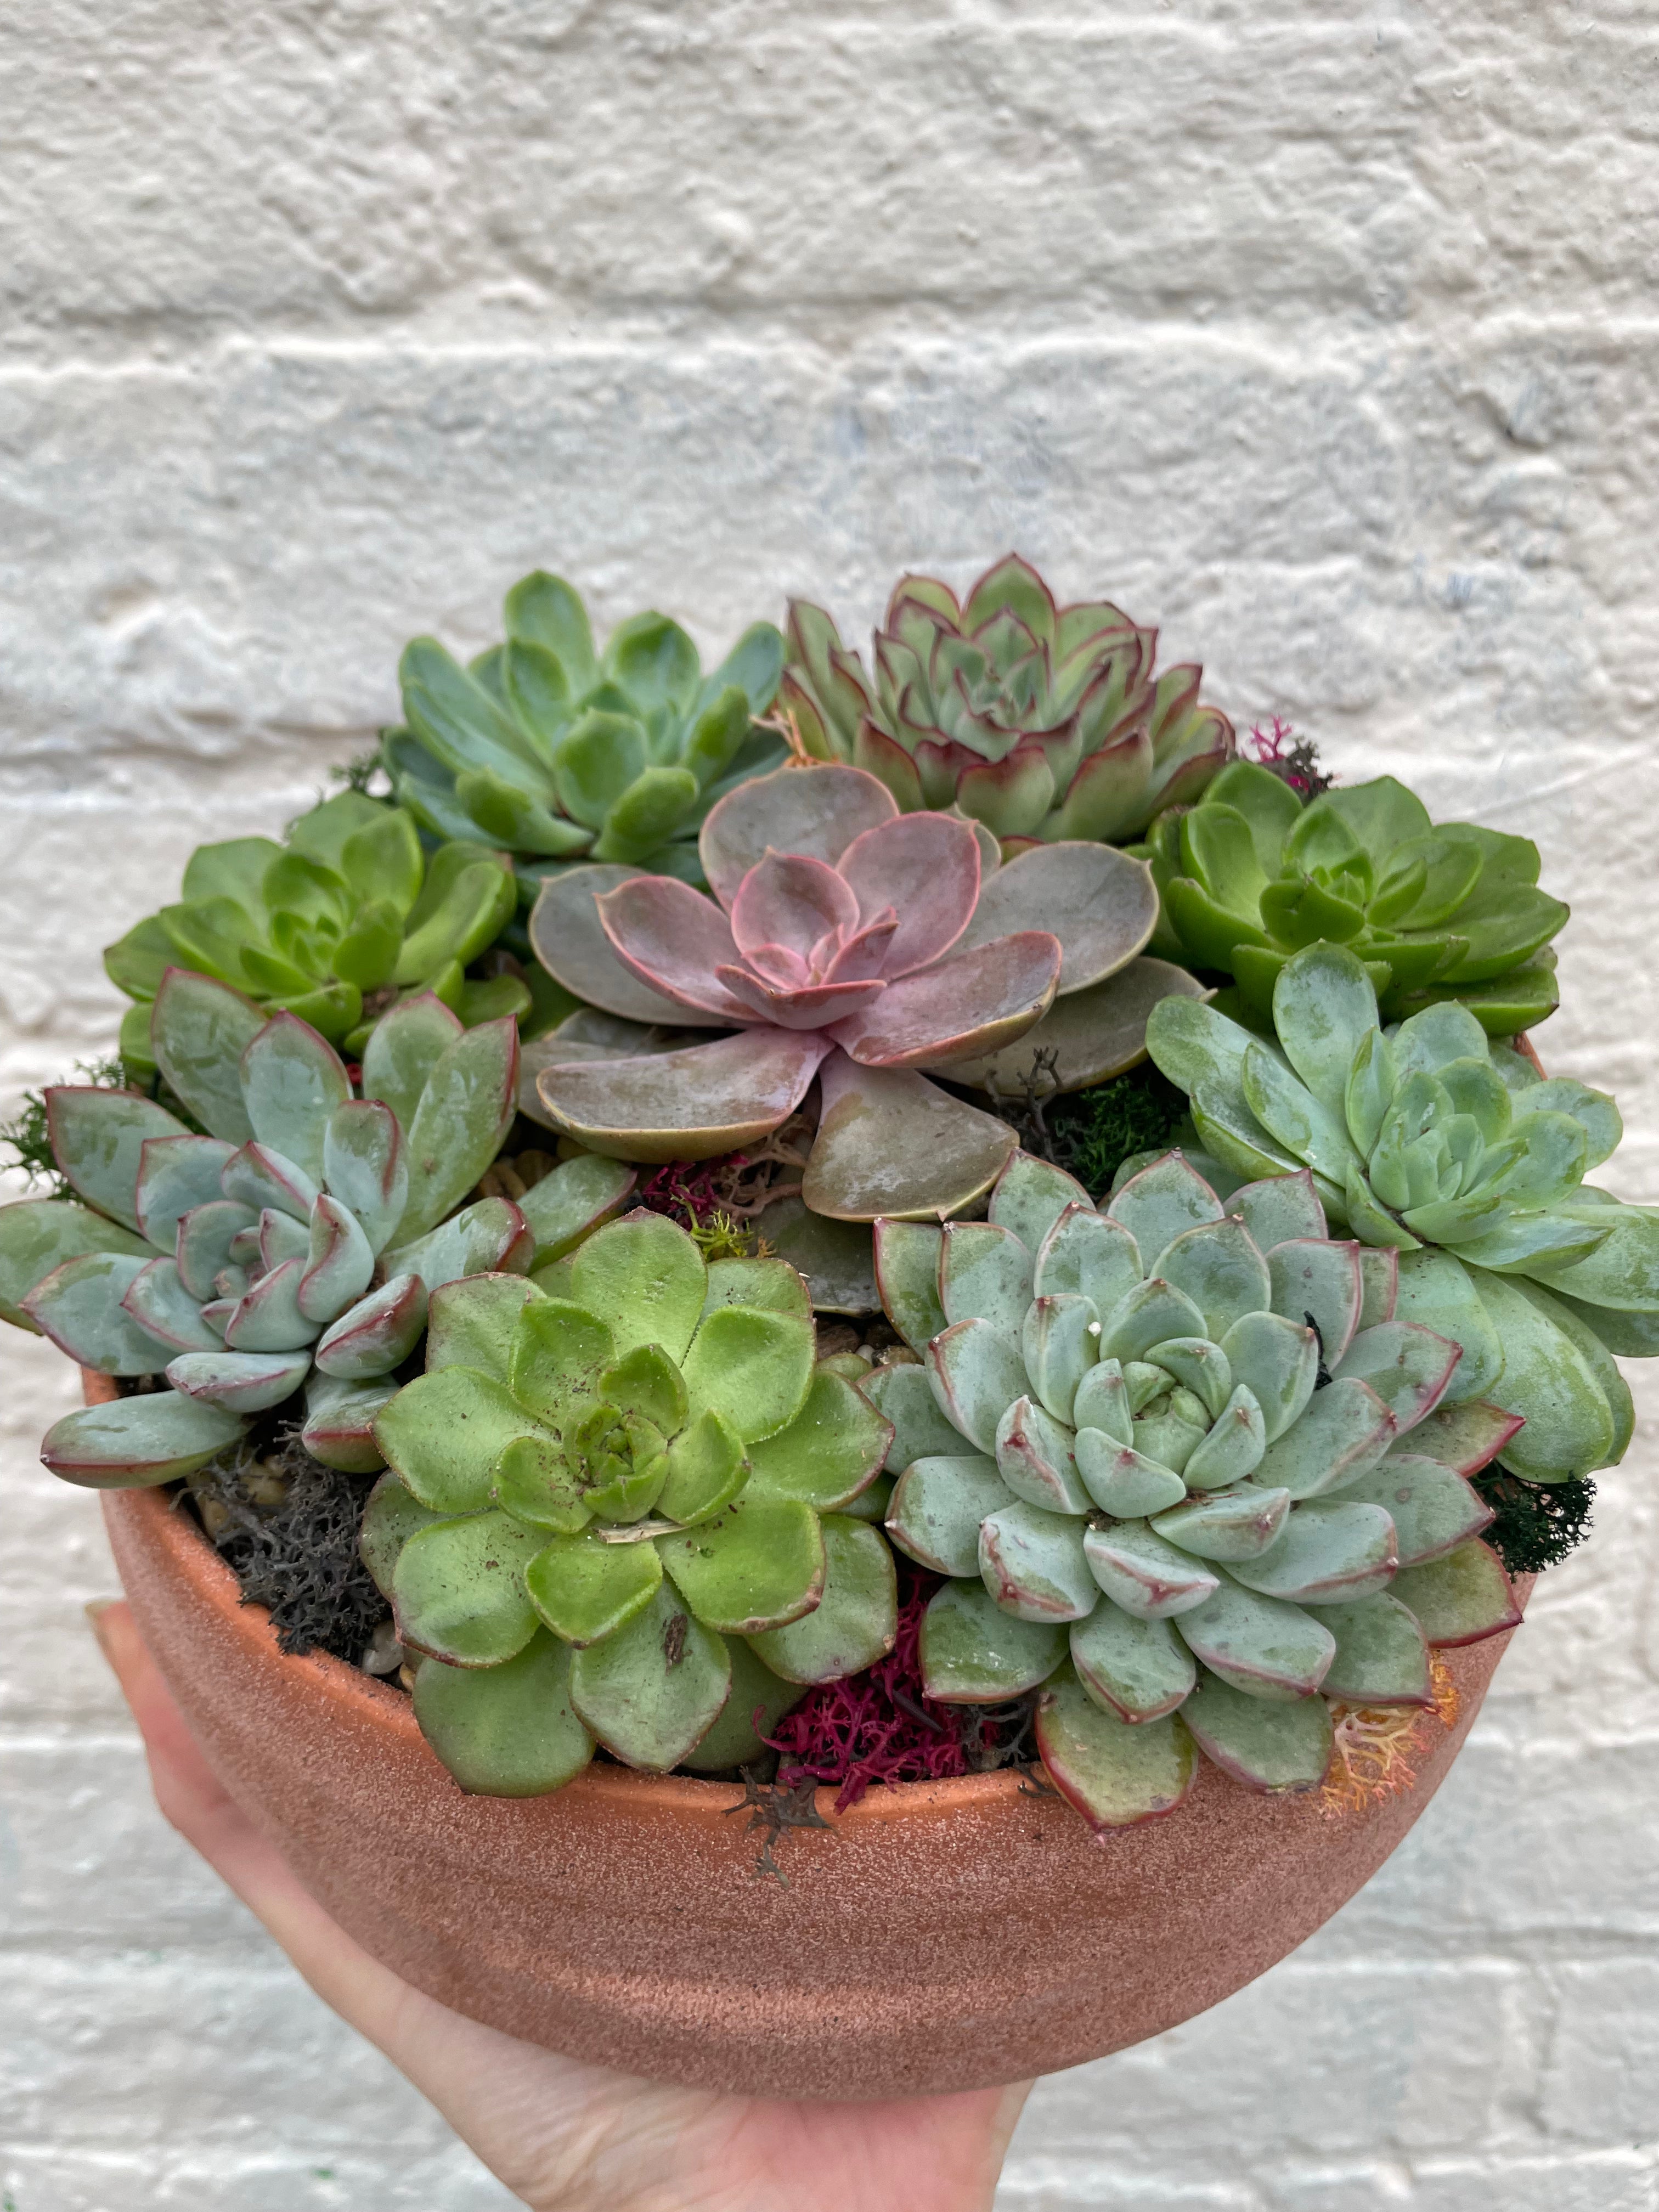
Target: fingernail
(95, 1612)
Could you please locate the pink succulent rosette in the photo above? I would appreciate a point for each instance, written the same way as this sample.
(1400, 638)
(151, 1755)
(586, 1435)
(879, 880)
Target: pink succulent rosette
(848, 942)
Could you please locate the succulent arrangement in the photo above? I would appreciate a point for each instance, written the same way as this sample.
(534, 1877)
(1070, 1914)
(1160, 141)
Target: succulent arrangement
(557, 750)
(1252, 872)
(913, 1434)
(1181, 1463)
(1043, 722)
(350, 914)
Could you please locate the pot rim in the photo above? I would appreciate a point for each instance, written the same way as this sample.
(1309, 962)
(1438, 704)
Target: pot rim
(213, 1583)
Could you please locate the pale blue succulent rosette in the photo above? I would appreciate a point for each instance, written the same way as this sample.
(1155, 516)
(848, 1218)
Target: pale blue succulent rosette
(1192, 1475)
(292, 1239)
(1430, 1139)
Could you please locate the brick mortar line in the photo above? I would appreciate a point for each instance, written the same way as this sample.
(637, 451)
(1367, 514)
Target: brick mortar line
(1463, 333)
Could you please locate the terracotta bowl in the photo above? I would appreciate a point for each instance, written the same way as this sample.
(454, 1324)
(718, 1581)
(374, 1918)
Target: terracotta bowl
(941, 1936)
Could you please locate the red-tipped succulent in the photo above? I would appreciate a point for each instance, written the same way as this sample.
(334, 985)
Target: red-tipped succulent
(1042, 721)
(852, 942)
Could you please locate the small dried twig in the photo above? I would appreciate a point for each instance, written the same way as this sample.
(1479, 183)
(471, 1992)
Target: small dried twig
(1023, 1107)
(772, 1808)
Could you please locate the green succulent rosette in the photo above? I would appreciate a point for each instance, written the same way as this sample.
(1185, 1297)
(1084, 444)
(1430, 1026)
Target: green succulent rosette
(561, 751)
(1043, 722)
(350, 909)
(623, 1507)
(1429, 1139)
(1193, 1477)
(1437, 910)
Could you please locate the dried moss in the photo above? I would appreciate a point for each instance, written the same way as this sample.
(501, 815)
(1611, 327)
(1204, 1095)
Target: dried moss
(288, 1527)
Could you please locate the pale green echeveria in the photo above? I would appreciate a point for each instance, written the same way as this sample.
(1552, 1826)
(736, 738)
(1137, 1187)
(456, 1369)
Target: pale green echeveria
(562, 752)
(297, 1244)
(348, 915)
(1437, 910)
(1428, 1138)
(1043, 722)
(623, 1507)
(1192, 1475)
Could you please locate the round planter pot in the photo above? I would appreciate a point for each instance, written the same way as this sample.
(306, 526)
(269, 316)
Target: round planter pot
(939, 1936)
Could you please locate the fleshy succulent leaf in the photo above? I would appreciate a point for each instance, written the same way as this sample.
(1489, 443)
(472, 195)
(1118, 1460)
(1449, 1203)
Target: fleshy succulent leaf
(465, 1108)
(585, 1589)
(509, 1730)
(938, 1505)
(751, 1367)
(136, 1442)
(1116, 1773)
(458, 1589)
(904, 1396)
(292, 1082)
(1145, 1574)
(890, 1143)
(974, 1653)
(831, 1450)
(97, 1138)
(1330, 1550)
(1258, 1644)
(199, 1029)
(40, 1234)
(652, 1691)
(855, 1621)
(82, 1306)
(1265, 1744)
(1030, 1197)
(1461, 1597)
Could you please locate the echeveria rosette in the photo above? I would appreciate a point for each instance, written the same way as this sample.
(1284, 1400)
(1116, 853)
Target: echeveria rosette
(1042, 721)
(350, 907)
(1188, 1472)
(628, 1511)
(852, 942)
(1430, 1138)
(562, 752)
(1437, 910)
(297, 1243)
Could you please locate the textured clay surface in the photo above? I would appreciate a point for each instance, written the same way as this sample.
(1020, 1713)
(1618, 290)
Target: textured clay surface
(941, 1936)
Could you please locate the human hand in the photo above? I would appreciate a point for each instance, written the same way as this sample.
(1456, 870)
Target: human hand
(564, 2137)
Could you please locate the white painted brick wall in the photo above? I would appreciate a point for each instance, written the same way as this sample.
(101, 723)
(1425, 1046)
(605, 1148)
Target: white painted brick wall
(1323, 337)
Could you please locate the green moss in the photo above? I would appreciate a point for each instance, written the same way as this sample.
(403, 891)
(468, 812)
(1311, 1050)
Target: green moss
(1091, 1132)
(721, 1236)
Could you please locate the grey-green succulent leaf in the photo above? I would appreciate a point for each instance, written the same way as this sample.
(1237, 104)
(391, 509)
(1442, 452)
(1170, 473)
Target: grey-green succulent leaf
(1041, 721)
(1452, 1151)
(559, 753)
(240, 1263)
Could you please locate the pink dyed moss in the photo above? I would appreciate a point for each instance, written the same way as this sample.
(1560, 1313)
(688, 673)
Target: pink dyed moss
(880, 1727)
